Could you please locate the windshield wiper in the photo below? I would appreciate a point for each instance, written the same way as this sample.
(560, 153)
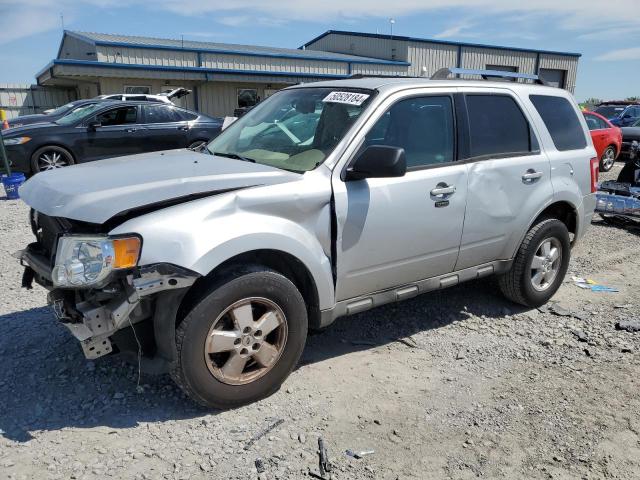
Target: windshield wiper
(234, 156)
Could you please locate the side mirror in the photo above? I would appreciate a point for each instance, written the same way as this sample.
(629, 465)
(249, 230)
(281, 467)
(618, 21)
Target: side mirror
(93, 126)
(627, 115)
(378, 161)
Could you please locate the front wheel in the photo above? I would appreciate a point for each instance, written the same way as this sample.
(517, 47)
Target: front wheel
(608, 159)
(241, 340)
(50, 158)
(540, 264)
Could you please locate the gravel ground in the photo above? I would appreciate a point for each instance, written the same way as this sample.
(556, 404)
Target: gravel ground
(454, 384)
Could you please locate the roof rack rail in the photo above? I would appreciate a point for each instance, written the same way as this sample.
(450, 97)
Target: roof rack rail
(381, 75)
(444, 73)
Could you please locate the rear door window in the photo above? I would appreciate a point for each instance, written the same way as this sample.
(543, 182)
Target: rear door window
(497, 127)
(160, 114)
(561, 120)
(595, 123)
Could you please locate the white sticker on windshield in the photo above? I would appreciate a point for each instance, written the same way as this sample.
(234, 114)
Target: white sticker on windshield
(350, 98)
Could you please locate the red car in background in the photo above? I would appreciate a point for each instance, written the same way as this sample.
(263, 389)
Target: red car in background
(607, 139)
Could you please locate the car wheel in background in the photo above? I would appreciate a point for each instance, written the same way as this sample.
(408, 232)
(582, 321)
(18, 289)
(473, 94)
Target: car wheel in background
(242, 338)
(540, 264)
(50, 158)
(608, 159)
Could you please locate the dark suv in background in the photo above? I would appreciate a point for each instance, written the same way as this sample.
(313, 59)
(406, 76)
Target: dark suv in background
(620, 114)
(107, 129)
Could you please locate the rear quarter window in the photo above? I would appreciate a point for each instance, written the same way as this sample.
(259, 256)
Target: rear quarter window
(561, 121)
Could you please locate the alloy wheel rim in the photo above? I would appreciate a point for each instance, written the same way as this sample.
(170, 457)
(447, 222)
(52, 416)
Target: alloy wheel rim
(246, 341)
(608, 158)
(51, 160)
(546, 263)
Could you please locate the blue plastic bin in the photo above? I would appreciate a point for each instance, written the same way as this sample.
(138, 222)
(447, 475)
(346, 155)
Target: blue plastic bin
(11, 184)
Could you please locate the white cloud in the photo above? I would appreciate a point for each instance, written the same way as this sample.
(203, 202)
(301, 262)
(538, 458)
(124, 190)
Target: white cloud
(457, 31)
(632, 53)
(21, 18)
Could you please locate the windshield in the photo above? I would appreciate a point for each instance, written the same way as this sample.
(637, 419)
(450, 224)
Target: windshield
(62, 110)
(78, 114)
(294, 129)
(610, 111)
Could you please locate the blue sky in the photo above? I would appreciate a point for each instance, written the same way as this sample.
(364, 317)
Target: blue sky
(607, 34)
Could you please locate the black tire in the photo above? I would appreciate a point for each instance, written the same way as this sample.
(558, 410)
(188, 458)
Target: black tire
(608, 159)
(191, 372)
(517, 284)
(52, 151)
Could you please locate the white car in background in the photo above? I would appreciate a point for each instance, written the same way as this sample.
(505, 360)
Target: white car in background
(165, 97)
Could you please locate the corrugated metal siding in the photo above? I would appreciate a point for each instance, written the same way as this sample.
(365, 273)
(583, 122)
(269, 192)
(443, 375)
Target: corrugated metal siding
(19, 99)
(433, 56)
(560, 62)
(362, 46)
(240, 62)
(479, 58)
(145, 56)
(77, 49)
(371, 69)
(220, 99)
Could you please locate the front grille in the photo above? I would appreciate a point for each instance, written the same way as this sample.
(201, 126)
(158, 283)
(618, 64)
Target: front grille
(47, 231)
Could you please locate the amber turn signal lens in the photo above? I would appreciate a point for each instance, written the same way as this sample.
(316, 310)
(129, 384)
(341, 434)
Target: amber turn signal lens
(127, 252)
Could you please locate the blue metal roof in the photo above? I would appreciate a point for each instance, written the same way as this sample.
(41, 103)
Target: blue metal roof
(441, 42)
(128, 41)
(166, 68)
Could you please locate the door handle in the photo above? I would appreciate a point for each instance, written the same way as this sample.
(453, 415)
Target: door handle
(183, 127)
(130, 130)
(443, 189)
(531, 175)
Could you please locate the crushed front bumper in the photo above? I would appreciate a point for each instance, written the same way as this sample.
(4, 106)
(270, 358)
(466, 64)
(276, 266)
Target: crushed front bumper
(150, 293)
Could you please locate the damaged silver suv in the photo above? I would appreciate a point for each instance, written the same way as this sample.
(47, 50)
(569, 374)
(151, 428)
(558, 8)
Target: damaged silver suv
(325, 200)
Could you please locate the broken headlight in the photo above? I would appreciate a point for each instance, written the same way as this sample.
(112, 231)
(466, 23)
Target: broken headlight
(88, 261)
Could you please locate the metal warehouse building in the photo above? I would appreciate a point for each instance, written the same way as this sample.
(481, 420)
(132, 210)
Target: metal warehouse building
(225, 76)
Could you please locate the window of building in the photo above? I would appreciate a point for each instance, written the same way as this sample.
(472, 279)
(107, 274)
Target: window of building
(555, 78)
(118, 116)
(502, 68)
(137, 89)
(247, 97)
(561, 120)
(423, 126)
(160, 114)
(497, 126)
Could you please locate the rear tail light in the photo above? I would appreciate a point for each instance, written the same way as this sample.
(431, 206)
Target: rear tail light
(595, 167)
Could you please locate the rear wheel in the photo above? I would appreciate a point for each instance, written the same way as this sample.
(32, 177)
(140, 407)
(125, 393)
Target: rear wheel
(50, 158)
(242, 339)
(608, 159)
(540, 264)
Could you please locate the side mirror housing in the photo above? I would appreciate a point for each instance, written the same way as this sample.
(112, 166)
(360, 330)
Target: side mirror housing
(627, 115)
(378, 161)
(93, 126)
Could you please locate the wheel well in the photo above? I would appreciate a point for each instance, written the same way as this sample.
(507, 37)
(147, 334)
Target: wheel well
(564, 212)
(282, 262)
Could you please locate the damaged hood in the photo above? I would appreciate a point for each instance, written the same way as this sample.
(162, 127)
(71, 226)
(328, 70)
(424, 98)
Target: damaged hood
(95, 192)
